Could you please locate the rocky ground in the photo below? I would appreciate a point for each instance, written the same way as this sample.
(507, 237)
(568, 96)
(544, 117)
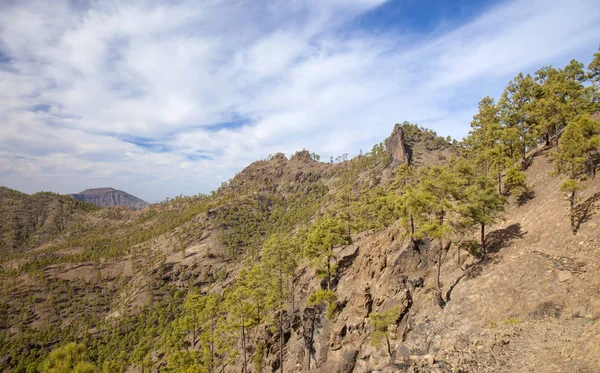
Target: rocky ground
(532, 306)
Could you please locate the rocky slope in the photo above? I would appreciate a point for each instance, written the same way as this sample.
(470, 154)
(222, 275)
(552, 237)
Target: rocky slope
(107, 197)
(531, 307)
(116, 276)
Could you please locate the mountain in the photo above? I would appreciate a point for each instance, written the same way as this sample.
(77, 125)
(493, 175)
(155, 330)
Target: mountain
(128, 285)
(421, 255)
(106, 197)
(30, 220)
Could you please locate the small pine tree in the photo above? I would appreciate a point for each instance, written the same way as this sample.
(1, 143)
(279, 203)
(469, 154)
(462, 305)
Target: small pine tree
(380, 325)
(258, 360)
(515, 183)
(320, 242)
(481, 205)
(70, 358)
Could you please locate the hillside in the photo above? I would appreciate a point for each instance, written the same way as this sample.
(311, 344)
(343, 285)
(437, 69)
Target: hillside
(532, 283)
(107, 197)
(30, 220)
(424, 254)
(530, 307)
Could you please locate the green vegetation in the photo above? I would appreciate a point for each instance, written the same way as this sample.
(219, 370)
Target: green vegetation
(71, 358)
(320, 242)
(241, 247)
(380, 327)
(327, 298)
(581, 137)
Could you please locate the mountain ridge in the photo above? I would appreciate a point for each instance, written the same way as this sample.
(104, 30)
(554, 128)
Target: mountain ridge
(108, 196)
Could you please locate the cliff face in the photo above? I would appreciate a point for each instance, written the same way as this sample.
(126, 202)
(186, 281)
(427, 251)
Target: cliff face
(106, 197)
(397, 146)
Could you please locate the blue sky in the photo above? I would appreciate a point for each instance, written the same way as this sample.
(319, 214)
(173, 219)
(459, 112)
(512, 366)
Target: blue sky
(166, 98)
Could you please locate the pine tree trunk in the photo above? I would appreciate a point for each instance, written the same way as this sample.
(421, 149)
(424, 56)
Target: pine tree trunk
(438, 291)
(389, 348)
(572, 211)
(312, 337)
(194, 333)
(483, 248)
(212, 345)
(293, 297)
(412, 231)
(281, 341)
(485, 168)
(523, 149)
(500, 183)
(245, 367)
(280, 320)
(328, 273)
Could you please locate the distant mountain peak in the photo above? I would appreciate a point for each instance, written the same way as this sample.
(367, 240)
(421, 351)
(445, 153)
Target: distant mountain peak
(108, 196)
(99, 190)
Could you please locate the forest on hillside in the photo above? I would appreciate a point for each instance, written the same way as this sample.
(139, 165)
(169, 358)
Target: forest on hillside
(266, 221)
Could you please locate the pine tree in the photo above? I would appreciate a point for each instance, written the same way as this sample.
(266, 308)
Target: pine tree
(70, 358)
(516, 112)
(574, 151)
(593, 75)
(560, 97)
(210, 318)
(405, 176)
(439, 189)
(240, 308)
(516, 183)
(326, 297)
(279, 255)
(192, 308)
(485, 134)
(380, 324)
(480, 204)
(345, 197)
(410, 207)
(324, 236)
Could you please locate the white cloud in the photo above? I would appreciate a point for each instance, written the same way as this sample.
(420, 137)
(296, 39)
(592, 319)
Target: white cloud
(236, 81)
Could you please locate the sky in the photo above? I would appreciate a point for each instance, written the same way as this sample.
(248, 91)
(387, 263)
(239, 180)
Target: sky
(162, 98)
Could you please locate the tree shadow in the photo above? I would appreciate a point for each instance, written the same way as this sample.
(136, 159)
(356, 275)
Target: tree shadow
(525, 197)
(584, 211)
(451, 288)
(496, 240)
(501, 238)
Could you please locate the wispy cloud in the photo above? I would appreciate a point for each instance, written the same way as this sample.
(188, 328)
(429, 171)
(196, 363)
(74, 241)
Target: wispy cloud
(163, 98)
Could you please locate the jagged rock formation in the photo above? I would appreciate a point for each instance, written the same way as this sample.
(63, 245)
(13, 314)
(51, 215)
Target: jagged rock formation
(106, 197)
(397, 146)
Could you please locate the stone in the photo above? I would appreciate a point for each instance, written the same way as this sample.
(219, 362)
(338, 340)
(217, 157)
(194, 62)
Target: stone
(429, 359)
(595, 309)
(348, 361)
(564, 276)
(578, 311)
(395, 144)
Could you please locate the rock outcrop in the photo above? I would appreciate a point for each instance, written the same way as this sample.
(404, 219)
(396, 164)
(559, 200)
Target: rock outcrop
(397, 147)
